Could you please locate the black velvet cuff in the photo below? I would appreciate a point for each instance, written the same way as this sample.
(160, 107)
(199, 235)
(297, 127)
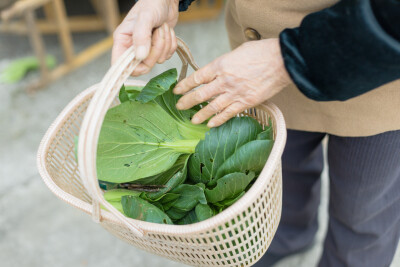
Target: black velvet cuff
(184, 4)
(341, 52)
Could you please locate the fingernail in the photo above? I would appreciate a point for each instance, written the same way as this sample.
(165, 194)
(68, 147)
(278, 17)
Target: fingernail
(211, 124)
(141, 52)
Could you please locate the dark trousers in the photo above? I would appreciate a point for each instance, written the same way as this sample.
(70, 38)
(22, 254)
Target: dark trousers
(364, 201)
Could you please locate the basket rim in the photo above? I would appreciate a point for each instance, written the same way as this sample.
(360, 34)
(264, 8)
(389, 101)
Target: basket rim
(154, 228)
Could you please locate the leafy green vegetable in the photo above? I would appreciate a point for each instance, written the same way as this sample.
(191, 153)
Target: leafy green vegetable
(142, 140)
(146, 143)
(123, 95)
(136, 208)
(179, 176)
(127, 93)
(249, 157)
(189, 218)
(117, 194)
(219, 144)
(114, 197)
(20, 67)
(177, 171)
(176, 214)
(158, 85)
(190, 196)
(132, 89)
(135, 145)
(187, 130)
(227, 202)
(267, 134)
(229, 186)
(203, 212)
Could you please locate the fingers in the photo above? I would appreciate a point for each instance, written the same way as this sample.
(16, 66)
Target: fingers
(135, 30)
(122, 39)
(167, 44)
(141, 36)
(199, 96)
(157, 48)
(174, 44)
(229, 112)
(217, 105)
(201, 76)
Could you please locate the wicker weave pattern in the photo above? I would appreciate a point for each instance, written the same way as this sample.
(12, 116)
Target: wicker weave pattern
(238, 236)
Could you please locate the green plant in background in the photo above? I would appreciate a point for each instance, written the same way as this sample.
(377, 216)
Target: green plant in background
(20, 67)
(146, 143)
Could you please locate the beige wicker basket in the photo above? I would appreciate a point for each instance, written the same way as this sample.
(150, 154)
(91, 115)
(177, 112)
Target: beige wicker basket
(238, 236)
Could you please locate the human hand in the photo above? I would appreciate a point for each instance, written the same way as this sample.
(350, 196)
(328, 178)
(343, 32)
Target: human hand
(137, 30)
(239, 80)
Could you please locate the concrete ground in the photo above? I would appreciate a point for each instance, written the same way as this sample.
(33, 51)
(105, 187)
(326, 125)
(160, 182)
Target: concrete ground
(36, 228)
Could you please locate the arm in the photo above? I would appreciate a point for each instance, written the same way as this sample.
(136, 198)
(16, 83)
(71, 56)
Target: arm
(344, 51)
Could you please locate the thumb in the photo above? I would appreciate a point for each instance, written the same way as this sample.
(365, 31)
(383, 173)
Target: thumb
(141, 38)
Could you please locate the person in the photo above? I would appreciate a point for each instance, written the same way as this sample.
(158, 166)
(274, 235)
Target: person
(320, 62)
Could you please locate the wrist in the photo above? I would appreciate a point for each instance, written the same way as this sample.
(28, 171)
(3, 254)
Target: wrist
(279, 61)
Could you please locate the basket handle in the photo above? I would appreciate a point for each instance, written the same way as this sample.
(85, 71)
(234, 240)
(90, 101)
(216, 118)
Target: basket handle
(91, 125)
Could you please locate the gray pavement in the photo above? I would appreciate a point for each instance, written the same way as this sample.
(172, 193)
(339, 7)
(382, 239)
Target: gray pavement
(36, 228)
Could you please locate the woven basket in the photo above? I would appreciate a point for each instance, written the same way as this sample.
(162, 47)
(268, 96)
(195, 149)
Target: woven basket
(238, 236)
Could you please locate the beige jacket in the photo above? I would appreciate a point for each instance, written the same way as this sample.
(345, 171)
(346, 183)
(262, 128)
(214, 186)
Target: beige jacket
(372, 113)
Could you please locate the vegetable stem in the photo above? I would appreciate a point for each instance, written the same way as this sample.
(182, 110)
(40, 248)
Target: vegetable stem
(192, 131)
(183, 146)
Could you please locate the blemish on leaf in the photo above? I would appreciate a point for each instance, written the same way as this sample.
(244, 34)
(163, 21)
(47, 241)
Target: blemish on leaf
(127, 165)
(201, 167)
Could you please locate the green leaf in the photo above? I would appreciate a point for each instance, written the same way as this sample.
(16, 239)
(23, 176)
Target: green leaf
(189, 218)
(178, 173)
(203, 212)
(114, 197)
(219, 144)
(190, 196)
(123, 95)
(186, 129)
(136, 208)
(137, 141)
(249, 157)
(117, 194)
(158, 85)
(129, 93)
(132, 89)
(168, 197)
(267, 134)
(229, 186)
(18, 68)
(176, 214)
(168, 205)
(116, 204)
(227, 202)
